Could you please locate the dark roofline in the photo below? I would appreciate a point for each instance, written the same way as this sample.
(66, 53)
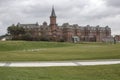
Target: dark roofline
(53, 12)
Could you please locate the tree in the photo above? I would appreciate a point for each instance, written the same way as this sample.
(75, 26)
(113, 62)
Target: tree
(16, 32)
(27, 36)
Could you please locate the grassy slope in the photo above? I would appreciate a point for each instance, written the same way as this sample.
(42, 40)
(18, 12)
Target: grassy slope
(109, 72)
(50, 51)
(24, 45)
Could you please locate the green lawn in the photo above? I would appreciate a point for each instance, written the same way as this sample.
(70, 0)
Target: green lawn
(53, 51)
(108, 72)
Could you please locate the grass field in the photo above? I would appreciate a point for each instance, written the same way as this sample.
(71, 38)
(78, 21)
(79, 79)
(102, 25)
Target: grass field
(109, 72)
(53, 51)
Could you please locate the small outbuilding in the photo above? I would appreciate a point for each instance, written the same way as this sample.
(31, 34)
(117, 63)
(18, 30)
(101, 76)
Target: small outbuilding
(75, 39)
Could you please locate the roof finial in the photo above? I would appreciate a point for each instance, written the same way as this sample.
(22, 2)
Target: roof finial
(53, 6)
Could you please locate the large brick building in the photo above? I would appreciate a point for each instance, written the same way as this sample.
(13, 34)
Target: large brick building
(66, 32)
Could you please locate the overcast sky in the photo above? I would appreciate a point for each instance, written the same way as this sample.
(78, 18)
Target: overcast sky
(82, 12)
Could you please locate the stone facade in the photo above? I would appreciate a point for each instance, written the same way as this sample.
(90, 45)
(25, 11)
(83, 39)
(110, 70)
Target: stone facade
(66, 32)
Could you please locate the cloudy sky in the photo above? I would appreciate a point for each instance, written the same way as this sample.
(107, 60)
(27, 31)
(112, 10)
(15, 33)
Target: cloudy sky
(82, 12)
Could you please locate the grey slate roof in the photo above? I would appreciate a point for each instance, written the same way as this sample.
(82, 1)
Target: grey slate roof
(28, 25)
(53, 13)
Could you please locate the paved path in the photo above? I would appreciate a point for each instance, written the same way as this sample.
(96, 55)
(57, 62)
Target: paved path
(59, 63)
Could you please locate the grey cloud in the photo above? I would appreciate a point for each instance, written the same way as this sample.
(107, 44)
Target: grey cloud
(114, 3)
(80, 12)
(36, 11)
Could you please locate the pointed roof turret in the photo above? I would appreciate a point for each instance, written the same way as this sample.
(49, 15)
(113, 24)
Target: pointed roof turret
(53, 12)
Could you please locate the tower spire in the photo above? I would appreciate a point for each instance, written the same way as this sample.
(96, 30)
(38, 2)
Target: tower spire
(53, 12)
(53, 24)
